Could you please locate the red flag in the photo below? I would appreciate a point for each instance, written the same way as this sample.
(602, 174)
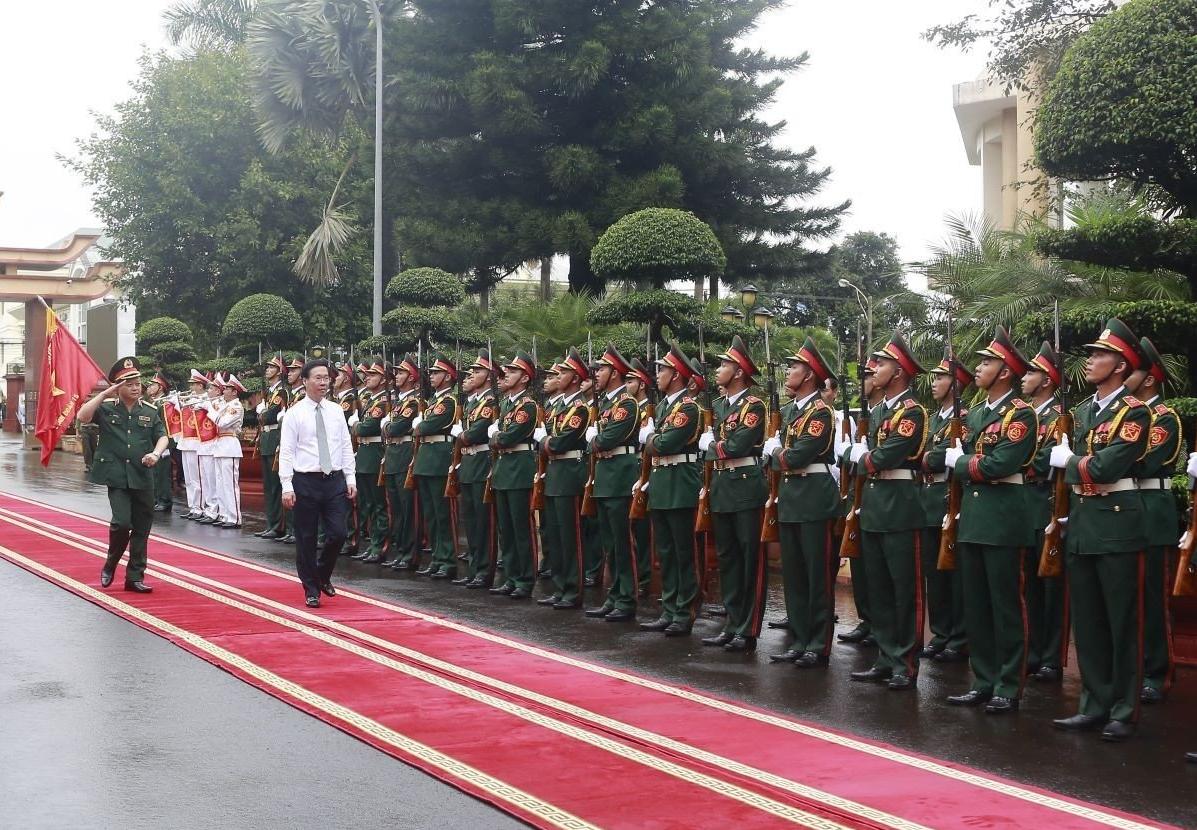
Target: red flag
(68, 376)
(174, 420)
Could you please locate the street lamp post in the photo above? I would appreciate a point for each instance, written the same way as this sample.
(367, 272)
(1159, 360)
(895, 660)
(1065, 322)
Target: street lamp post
(378, 84)
(866, 306)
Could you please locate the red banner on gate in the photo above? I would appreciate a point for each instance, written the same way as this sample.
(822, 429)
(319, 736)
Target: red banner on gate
(68, 376)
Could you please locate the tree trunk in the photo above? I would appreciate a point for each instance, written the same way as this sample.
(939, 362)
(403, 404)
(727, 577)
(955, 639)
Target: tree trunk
(546, 279)
(484, 299)
(581, 278)
(713, 291)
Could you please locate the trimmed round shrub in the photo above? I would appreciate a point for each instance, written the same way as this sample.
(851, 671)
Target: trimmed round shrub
(267, 317)
(656, 245)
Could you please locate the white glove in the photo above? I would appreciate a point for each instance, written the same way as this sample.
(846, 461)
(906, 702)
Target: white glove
(492, 430)
(1061, 453)
(1191, 469)
(772, 445)
(705, 440)
(646, 432)
(857, 452)
(841, 444)
(456, 430)
(415, 422)
(279, 419)
(953, 455)
(636, 486)
(591, 433)
(643, 489)
(353, 419)
(260, 408)
(1184, 540)
(539, 434)
(1063, 520)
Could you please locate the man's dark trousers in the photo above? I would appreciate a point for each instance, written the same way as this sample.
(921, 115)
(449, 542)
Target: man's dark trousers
(320, 500)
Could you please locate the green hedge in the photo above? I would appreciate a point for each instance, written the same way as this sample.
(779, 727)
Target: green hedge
(161, 330)
(1169, 323)
(426, 287)
(1139, 243)
(656, 245)
(172, 352)
(262, 317)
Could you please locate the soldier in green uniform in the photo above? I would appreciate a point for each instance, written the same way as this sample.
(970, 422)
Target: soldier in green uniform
(673, 495)
(807, 502)
(514, 470)
(372, 502)
(481, 410)
(871, 398)
(156, 391)
(1153, 474)
(564, 442)
(891, 517)
(1045, 597)
(430, 467)
(131, 443)
(738, 494)
(638, 381)
(274, 401)
(998, 445)
(944, 589)
(403, 526)
(613, 441)
(1107, 534)
(295, 393)
(345, 394)
(549, 536)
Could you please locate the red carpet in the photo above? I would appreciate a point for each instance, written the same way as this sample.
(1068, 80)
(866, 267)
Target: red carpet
(552, 739)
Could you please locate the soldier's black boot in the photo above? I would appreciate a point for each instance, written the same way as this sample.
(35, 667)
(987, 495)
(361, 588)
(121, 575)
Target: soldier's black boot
(118, 540)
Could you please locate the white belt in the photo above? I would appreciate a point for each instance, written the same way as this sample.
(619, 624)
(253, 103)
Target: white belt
(895, 475)
(227, 435)
(474, 450)
(568, 455)
(435, 439)
(1154, 484)
(734, 463)
(615, 452)
(1119, 486)
(821, 469)
(516, 448)
(937, 478)
(673, 460)
(403, 439)
(1013, 478)
(270, 428)
(373, 439)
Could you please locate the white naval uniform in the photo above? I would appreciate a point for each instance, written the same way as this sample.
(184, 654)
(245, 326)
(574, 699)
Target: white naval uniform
(207, 464)
(191, 481)
(226, 455)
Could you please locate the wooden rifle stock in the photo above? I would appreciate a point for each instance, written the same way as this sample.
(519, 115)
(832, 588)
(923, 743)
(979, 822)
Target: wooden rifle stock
(946, 560)
(702, 516)
(1186, 569)
(639, 508)
(409, 480)
(770, 530)
(1051, 556)
(845, 480)
(850, 543)
(452, 483)
(536, 501)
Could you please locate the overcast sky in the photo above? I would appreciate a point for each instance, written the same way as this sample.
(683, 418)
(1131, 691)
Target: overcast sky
(874, 100)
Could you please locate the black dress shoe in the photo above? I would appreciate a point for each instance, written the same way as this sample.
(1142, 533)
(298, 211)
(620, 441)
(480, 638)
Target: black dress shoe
(269, 534)
(229, 526)
(477, 582)
(973, 697)
(312, 602)
(402, 566)
(900, 683)
(562, 605)
(138, 587)
(620, 615)
(186, 514)
(106, 577)
(288, 539)
(780, 624)
(502, 589)
(372, 559)
(444, 574)
(787, 656)
(1079, 723)
(855, 635)
(930, 651)
(520, 593)
(720, 639)
(950, 655)
(1191, 757)
(1117, 730)
(811, 659)
(463, 556)
(740, 644)
(425, 571)
(388, 563)
(869, 640)
(1150, 694)
(999, 705)
(548, 600)
(1048, 674)
(205, 520)
(464, 580)
(659, 624)
(715, 610)
(678, 629)
(601, 611)
(327, 589)
(873, 675)
(590, 582)
(544, 573)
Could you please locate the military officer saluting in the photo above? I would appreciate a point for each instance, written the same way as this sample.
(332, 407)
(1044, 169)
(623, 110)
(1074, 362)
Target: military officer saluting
(481, 410)
(999, 443)
(1106, 535)
(132, 441)
(808, 499)
(430, 467)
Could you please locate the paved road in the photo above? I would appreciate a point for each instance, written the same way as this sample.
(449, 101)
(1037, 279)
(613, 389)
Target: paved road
(83, 757)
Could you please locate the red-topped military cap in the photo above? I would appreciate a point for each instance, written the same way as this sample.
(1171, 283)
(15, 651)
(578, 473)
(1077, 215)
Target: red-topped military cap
(1154, 363)
(1002, 348)
(376, 367)
(1117, 337)
(483, 361)
(611, 357)
(523, 362)
(218, 380)
(898, 350)
(296, 363)
(698, 375)
(197, 376)
(738, 353)
(446, 366)
(638, 371)
(676, 359)
(408, 364)
(574, 363)
(951, 366)
(1048, 362)
(346, 368)
(161, 380)
(277, 362)
(810, 355)
(124, 369)
(233, 383)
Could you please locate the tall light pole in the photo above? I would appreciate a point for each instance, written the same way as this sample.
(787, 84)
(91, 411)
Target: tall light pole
(378, 84)
(866, 305)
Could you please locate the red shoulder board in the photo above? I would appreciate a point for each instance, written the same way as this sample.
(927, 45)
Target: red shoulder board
(1019, 403)
(1161, 409)
(1131, 400)
(752, 399)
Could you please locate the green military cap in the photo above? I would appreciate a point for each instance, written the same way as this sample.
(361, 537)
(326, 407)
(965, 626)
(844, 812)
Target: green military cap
(124, 369)
(611, 357)
(698, 374)
(1117, 337)
(574, 363)
(1048, 362)
(483, 361)
(523, 362)
(1002, 348)
(676, 359)
(738, 354)
(1155, 363)
(638, 371)
(898, 350)
(951, 366)
(810, 355)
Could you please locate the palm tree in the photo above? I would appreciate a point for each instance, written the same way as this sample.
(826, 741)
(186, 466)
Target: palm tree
(209, 24)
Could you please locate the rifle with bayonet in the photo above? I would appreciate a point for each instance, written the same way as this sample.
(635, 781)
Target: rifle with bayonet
(770, 530)
(639, 508)
(488, 492)
(589, 506)
(409, 481)
(1051, 558)
(946, 560)
(452, 485)
(846, 436)
(536, 500)
(850, 541)
(702, 515)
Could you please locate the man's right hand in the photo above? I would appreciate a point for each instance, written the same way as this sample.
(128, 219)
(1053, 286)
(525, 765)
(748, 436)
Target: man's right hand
(288, 500)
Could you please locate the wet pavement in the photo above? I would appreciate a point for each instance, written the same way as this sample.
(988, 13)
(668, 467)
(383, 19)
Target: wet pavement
(105, 724)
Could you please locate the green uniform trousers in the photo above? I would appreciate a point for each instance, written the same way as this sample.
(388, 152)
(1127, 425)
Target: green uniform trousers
(995, 616)
(592, 549)
(616, 539)
(566, 547)
(677, 552)
(892, 560)
(1106, 591)
(437, 521)
(476, 520)
(642, 539)
(272, 496)
(944, 591)
(808, 583)
(132, 519)
(860, 592)
(163, 480)
(551, 552)
(372, 512)
(1045, 600)
(741, 569)
(1157, 661)
(515, 537)
(402, 522)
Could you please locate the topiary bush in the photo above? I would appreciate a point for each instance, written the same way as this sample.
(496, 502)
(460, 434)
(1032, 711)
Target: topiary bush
(161, 330)
(653, 246)
(267, 318)
(426, 287)
(170, 352)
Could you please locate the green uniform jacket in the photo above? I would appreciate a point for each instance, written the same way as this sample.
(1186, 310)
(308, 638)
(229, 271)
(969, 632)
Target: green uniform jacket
(998, 442)
(348, 402)
(125, 436)
(676, 487)
(1107, 446)
(808, 437)
(1038, 491)
(618, 426)
(897, 443)
(566, 426)
(476, 420)
(398, 455)
(295, 395)
(739, 433)
(935, 493)
(276, 402)
(374, 409)
(517, 422)
(439, 416)
(1163, 445)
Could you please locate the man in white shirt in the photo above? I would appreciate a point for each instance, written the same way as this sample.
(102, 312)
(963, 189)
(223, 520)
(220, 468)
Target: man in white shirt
(317, 471)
